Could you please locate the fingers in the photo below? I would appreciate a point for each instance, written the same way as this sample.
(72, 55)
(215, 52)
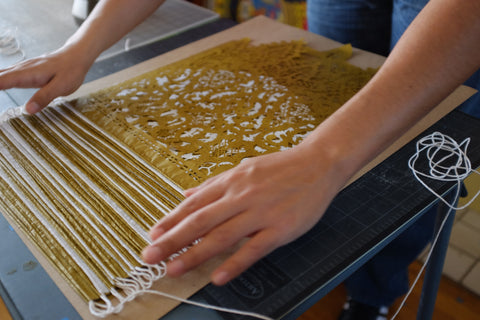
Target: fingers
(256, 248)
(214, 243)
(32, 107)
(220, 239)
(187, 207)
(24, 75)
(44, 96)
(18, 77)
(40, 100)
(251, 200)
(186, 231)
(55, 74)
(189, 192)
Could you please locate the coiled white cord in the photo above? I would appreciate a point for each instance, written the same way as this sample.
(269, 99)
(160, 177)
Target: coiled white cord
(9, 44)
(447, 161)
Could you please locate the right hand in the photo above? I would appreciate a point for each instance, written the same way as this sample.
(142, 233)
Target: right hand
(270, 200)
(56, 74)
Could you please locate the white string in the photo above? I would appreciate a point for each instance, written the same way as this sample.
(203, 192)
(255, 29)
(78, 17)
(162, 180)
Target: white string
(208, 306)
(139, 282)
(426, 260)
(127, 44)
(440, 149)
(9, 44)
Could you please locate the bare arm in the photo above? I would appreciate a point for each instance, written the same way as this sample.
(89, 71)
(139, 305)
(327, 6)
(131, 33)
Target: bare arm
(63, 71)
(438, 52)
(109, 22)
(278, 197)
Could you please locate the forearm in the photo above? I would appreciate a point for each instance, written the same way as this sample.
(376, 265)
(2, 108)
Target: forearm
(437, 53)
(108, 23)
(61, 72)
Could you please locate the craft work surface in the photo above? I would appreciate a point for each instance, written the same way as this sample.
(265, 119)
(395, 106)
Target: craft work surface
(22, 301)
(79, 126)
(32, 23)
(189, 120)
(374, 195)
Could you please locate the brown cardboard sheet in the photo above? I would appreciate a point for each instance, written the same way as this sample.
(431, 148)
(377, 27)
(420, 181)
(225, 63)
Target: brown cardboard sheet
(260, 30)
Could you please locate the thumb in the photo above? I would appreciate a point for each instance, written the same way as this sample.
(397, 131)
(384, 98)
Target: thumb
(45, 95)
(39, 100)
(32, 106)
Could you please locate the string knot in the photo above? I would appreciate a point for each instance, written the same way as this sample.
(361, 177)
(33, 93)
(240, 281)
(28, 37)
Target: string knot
(447, 161)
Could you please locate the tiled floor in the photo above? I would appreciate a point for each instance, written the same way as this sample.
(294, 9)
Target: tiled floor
(462, 263)
(463, 256)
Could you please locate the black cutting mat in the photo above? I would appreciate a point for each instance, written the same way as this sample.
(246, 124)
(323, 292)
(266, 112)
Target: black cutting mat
(361, 216)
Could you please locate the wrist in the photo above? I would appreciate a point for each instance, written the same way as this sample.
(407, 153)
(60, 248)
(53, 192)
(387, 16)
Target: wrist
(327, 160)
(81, 55)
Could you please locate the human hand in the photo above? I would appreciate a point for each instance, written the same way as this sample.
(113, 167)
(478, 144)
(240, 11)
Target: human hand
(56, 74)
(272, 200)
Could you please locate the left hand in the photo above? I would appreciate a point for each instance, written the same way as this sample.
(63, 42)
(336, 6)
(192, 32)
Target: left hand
(272, 199)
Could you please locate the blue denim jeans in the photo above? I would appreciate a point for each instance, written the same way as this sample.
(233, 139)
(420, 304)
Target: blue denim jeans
(376, 25)
(373, 25)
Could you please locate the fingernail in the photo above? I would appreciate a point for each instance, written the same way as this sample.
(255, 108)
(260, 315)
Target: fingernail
(32, 107)
(152, 255)
(176, 268)
(188, 192)
(220, 278)
(155, 233)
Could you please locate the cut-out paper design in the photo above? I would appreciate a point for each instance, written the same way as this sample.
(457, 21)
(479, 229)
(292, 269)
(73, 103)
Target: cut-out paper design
(86, 179)
(198, 117)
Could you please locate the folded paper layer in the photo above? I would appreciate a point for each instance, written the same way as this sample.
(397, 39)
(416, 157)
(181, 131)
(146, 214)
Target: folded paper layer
(86, 179)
